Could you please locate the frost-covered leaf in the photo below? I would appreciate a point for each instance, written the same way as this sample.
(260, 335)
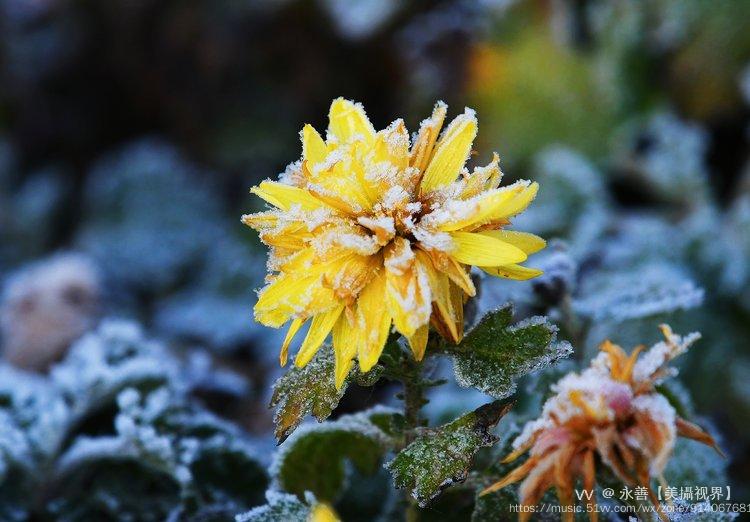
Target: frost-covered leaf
(114, 434)
(15, 449)
(442, 456)
(651, 289)
(115, 490)
(280, 507)
(139, 215)
(665, 154)
(104, 362)
(495, 353)
(310, 390)
(574, 198)
(213, 310)
(33, 420)
(639, 238)
(164, 455)
(226, 473)
(313, 458)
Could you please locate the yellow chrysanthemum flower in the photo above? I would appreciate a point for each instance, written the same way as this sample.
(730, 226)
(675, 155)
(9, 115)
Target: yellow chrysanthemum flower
(370, 230)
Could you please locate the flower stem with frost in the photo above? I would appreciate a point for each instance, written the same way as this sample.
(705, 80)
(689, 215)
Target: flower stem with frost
(414, 398)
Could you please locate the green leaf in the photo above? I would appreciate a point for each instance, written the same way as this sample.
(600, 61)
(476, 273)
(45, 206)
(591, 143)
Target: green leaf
(280, 507)
(313, 458)
(311, 390)
(442, 456)
(493, 507)
(115, 490)
(495, 353)
(225, 474)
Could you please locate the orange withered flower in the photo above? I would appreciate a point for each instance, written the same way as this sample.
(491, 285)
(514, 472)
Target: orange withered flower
(611, 415)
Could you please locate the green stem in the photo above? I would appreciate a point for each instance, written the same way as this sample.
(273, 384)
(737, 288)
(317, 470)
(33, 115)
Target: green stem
(414, 399)
(575, 328)
(413, 402)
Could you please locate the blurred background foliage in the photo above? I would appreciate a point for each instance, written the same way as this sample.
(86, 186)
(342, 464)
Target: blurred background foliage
(130, 132)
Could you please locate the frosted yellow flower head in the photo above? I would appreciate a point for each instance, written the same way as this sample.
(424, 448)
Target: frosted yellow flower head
(371, 229)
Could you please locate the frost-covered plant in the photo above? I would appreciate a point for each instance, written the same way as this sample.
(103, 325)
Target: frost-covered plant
(114, 433)
(610, 412)
(373, 240)
(139, 214)
(667, 155)
(371, 231)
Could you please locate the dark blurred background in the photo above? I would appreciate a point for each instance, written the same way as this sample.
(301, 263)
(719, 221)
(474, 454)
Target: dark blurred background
(131, 131)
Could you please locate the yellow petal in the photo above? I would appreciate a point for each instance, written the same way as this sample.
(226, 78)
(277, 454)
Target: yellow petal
(483, 178)
(407, 288)
(293, 329)
(331, 192)
(529, 243)
(298, 262)
(345, 239)
(322, 513)
(519, 203)
(349, 277)
(454, 270)
(447, 319)
(348, 120)
(285, 196)
(418, 342)
(314, 149)
(320, 327)
(451, 152)
(375, 322)
(421, 152)
(346, 339)
(392, 145)
(513, 271)
(261, 220)
(287, 297)
(483, 208)
(341, 186)
(291, 240)
(477, 249)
